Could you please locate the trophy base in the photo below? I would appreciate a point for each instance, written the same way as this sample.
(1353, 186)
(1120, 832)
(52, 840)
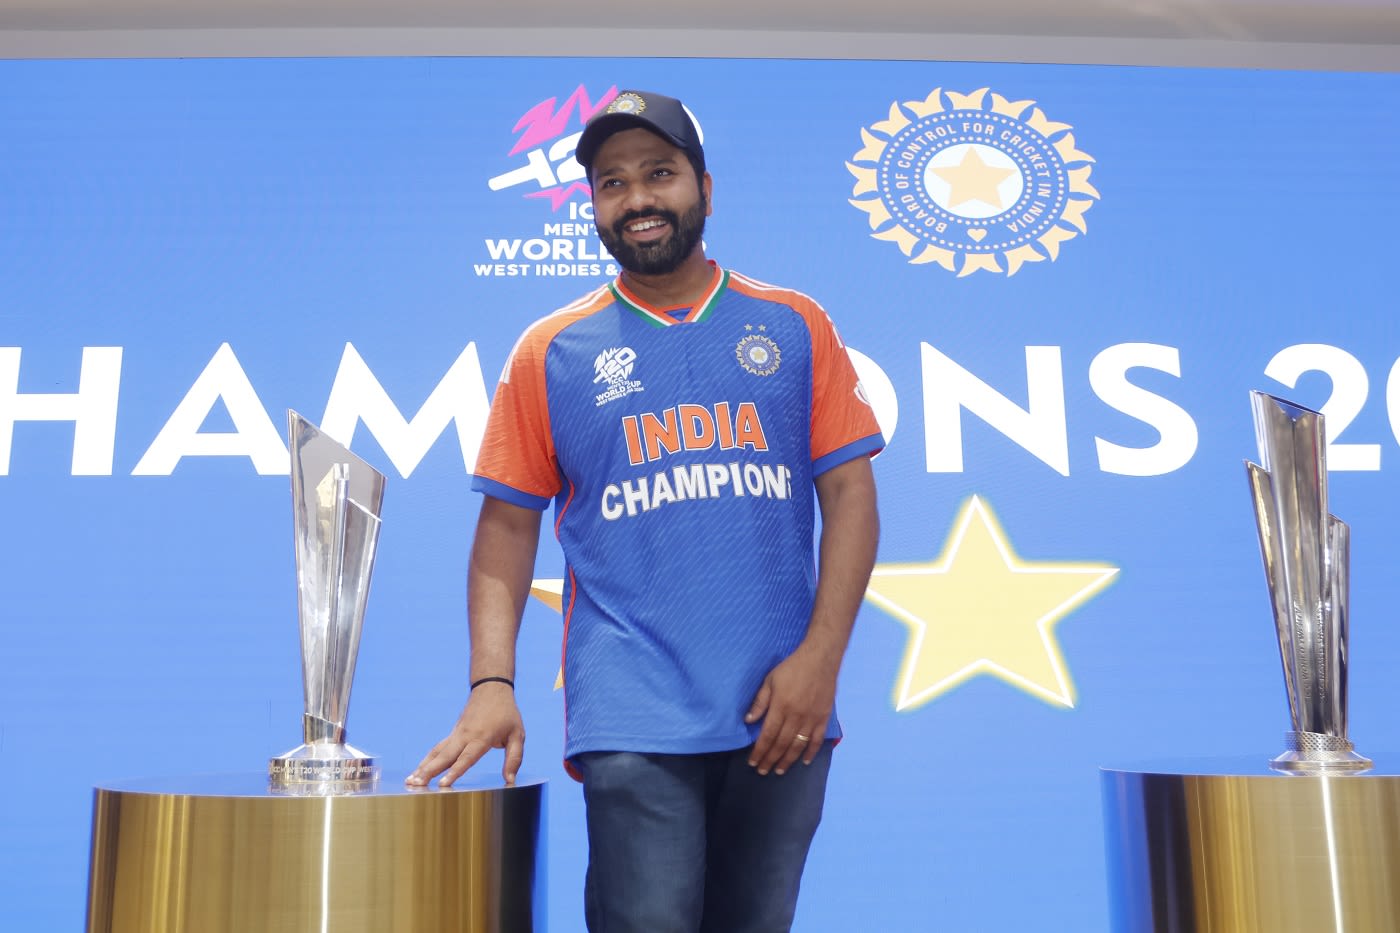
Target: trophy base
(322, 768)
(1316, 753)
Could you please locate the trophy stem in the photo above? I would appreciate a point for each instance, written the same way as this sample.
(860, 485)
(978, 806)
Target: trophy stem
(318, 731)
(331, 673)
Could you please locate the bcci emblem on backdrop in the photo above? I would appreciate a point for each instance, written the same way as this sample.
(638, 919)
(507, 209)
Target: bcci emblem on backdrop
(953, 181)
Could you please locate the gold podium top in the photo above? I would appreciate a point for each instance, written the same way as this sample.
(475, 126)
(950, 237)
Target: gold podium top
(256, 784)
(228, 853)
(1229, 846)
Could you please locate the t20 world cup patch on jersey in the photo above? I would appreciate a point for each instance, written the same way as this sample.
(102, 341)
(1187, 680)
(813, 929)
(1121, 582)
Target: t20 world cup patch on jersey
(614, 366)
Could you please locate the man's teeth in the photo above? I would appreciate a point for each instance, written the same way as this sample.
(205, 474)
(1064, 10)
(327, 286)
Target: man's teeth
(644, 225)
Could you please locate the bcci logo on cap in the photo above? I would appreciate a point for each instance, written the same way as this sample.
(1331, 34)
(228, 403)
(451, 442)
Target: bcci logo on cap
(627, 102)
(953, 181)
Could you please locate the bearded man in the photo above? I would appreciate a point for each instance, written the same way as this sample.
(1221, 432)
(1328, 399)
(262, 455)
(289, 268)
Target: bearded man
(683, 419)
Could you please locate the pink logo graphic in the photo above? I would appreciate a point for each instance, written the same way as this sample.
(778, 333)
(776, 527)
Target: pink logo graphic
(550, 165)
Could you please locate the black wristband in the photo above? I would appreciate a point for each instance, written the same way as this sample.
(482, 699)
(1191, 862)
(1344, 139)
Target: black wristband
(494, 680)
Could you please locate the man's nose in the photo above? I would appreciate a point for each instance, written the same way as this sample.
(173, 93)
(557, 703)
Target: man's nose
(639, 199)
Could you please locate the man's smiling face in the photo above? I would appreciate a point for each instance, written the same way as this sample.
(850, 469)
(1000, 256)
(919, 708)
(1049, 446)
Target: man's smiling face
(649, 207)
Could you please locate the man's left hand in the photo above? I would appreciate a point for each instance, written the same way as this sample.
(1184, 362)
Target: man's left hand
(797, 696)
(795, 704)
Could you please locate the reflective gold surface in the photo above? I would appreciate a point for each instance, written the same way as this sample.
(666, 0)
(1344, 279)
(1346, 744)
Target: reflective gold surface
(1210, 853)
(220, 854)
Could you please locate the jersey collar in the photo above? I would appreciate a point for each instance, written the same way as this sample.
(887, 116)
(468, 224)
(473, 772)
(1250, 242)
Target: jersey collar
(657, 317)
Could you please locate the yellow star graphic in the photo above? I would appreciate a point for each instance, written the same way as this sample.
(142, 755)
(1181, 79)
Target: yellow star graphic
(974, 180)
(979, 609)
(551, 593)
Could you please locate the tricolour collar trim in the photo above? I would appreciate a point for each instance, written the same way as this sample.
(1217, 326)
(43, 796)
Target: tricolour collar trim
(702, 310)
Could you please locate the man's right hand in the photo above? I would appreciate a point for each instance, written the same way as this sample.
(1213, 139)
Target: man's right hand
(490, 720)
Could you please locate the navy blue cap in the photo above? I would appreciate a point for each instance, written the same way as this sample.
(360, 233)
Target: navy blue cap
(662, 115)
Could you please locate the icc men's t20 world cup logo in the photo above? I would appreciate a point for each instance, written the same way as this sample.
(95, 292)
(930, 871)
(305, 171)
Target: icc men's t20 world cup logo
(972, 182)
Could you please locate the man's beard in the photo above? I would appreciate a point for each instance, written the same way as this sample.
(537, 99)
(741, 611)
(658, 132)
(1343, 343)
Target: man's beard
(662, 256)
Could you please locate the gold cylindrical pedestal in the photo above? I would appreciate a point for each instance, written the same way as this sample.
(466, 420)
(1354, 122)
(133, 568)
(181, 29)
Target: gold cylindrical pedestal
(1252, 852)
(226, 854)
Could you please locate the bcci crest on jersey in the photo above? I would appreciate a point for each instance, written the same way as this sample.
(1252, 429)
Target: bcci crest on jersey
(758, 354)
(614, 366)
(972, 182)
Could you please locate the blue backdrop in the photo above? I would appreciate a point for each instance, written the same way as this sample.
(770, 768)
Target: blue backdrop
(1060, 284)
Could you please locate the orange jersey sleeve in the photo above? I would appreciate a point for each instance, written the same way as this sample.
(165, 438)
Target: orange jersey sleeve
(841, 412)
(517, 448)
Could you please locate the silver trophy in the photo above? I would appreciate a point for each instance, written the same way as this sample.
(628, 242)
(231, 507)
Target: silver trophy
(336, 501)
(1305, 552)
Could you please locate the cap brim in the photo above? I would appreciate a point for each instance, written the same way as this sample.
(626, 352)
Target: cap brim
(598, 131)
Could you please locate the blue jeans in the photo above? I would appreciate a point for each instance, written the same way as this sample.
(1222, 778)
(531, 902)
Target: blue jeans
(696, 843)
